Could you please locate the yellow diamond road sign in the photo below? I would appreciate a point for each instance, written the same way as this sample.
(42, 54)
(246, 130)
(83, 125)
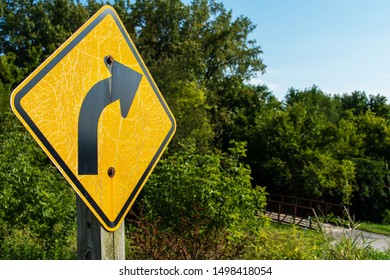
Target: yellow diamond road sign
(95, 110)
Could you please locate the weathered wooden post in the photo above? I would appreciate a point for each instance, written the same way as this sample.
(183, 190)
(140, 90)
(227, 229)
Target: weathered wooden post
(93, 241)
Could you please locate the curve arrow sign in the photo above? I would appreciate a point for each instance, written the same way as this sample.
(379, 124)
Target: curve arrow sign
(122, 86)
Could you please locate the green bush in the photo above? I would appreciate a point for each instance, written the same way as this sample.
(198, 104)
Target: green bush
(386, 217)
(38, 208)
(278, 242)
(198, 202)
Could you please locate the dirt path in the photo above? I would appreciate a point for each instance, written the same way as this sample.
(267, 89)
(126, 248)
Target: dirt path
(376, 241)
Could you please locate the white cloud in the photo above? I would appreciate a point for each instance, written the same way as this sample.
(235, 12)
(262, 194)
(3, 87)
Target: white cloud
(272, 71)
(256, 81)
(260, 81)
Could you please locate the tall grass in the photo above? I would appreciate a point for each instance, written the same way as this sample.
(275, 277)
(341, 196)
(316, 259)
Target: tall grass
(375, 228)
(271, 242)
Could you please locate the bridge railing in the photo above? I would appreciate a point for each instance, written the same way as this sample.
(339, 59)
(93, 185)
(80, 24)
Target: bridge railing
(288, 213)
(302, 211)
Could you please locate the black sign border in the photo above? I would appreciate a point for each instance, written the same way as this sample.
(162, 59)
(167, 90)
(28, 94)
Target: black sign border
(19, 95)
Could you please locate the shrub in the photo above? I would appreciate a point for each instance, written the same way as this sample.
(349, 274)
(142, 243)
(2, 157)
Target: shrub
(386, 217)
(196, 200)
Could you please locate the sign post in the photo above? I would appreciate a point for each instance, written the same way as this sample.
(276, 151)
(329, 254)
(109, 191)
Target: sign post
(95, 110)
(93, 241)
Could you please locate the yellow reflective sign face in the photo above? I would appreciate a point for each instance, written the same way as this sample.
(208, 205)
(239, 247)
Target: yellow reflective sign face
(95, 110)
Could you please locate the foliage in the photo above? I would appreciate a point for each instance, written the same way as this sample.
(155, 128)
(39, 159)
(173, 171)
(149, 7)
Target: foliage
(148, 241)
(200, 48)
(318, 146)
(186, 49)
(383, 228)
(372, 199)
(353, 245)
(350, 249)
(386, 217)
(32, 30)
(37, 209)
(287, 243)
(271, 242)
(280, 242)
(202, 199)
(37, 206)
(188, 104)
(199, 42)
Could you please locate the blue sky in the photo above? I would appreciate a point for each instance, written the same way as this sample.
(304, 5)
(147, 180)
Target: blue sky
(339, 45)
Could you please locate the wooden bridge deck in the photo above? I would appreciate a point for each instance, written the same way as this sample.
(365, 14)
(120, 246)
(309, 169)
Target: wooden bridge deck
(289, 219)
(300, 211)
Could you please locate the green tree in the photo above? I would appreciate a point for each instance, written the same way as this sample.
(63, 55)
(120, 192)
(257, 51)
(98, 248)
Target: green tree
(378, 104)
(372, 198)
(356, 102)
(10, 75)
(234, 108)
(299, 146)
(316, 101)
(327, 147)
(201, 43)
(359, 103)
(32, 30)
(376, 133)
(188, 104)
(37, 206)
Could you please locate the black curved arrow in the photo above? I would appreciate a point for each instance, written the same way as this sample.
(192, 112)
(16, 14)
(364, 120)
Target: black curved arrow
(122, 85)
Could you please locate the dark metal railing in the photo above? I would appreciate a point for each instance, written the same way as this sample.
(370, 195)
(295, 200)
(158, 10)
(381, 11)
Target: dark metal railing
(288, 213)
(301, 211)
